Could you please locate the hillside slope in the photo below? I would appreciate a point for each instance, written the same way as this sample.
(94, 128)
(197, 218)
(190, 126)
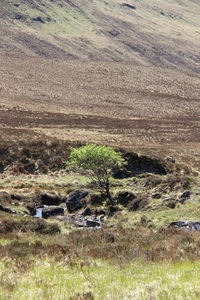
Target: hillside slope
(110, 103)
(161, 33)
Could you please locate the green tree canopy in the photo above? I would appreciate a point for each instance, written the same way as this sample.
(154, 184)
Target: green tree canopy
(99, 161)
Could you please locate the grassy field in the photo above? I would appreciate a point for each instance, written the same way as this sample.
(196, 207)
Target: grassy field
(113, 263)
(101, 280)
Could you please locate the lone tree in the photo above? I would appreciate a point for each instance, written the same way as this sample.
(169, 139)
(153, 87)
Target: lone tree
(98, 161)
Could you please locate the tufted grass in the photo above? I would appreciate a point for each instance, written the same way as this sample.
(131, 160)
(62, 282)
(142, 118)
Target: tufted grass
(47, 279)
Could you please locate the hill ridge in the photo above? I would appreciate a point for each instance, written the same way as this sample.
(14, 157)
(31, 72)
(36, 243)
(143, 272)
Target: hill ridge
(140, 32)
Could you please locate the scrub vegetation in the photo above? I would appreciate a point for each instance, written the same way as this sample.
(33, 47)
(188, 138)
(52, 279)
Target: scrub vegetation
(131, 256)
(118, 83)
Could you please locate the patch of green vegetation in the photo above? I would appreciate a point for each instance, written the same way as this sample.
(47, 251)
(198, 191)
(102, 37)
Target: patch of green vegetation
(4, 241)
(161, 215)
(61, 18)
(101, 280)
(112, 263)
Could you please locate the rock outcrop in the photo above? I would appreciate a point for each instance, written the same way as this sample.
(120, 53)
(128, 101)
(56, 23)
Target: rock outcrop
(74, 200)
(186, 225)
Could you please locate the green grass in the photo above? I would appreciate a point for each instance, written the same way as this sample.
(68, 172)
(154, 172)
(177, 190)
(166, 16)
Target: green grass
(113, 263)
(58, 19)
(161, 215)
(102, 280)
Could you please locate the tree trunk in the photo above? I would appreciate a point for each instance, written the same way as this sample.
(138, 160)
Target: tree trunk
(108, 195)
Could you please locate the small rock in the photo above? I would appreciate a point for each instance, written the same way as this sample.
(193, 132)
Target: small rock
(170, 159)
(188, 225)
(88, 222)
(38, 19)
(20, 17)
(167, 199)
(86, 211)
(79, 221)
(114, 32)
(186, 194)
(99, 212)
(156, 196)
(93, 223)
(7, 210)
(171, 204)
(63, 205)
(197, 192)
(52, 211)
(128, 6)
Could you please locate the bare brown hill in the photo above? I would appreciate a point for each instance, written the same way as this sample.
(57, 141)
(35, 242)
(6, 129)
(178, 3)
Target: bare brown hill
(161, 33)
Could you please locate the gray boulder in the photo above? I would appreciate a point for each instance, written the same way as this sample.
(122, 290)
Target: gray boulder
(74, 200)
(185, 194)
(93, 223)
(86, 211)
(88, 222)
(187, 225)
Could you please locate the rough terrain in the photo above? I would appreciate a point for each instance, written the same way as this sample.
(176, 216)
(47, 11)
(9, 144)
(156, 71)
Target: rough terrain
(119, 73)
(142, 32)
(117, 104)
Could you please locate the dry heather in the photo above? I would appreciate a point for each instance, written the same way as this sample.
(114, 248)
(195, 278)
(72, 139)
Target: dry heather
(128, 103)
(122, 105)
(112, 263)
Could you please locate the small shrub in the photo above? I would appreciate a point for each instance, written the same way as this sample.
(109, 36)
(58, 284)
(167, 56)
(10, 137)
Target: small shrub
(99, 162)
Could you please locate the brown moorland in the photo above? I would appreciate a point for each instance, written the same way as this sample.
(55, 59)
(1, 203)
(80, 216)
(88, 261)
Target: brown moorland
(141, 91)
(123, 105)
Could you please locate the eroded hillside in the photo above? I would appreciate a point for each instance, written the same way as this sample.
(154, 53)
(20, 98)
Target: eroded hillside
(145, 32)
